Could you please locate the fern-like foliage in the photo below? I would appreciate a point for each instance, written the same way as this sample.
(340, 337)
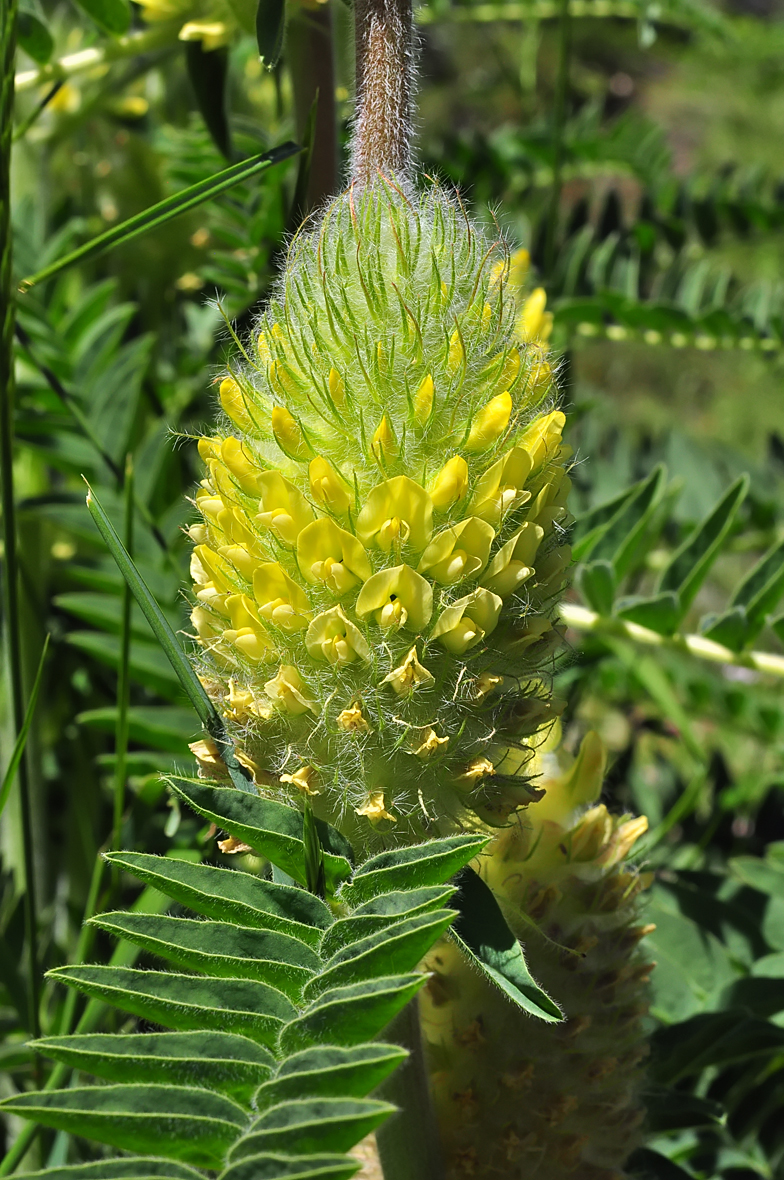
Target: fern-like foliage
(270, 1048)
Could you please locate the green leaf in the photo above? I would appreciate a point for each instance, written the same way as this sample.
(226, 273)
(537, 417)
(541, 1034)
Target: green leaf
(689, 565)
(765, 875)
(162, 727)
(761, 589)
(219, 948)
(660, 612)
(312, 1124)
(214, 1060)
(173, 206)
(208, 70)
(485, 939)
(148, 664)
(413, 867)
(618, 535)
(267, 1166)
(348, 1015)
(34, 37)
(105, 611)
(380, 913)
(113, 16)
(328, 1070)
(186, 1001)
(672, 1110)
(730, 628)
(270, 23)
(712, 1039)
(692, 966)
(592, 525)
(137, 1168)
(596, 583)
(394, 950)
(205, 710)
(193, 1125)
(17, 752)
(272, 829)
(652, 1165)
(230, 895)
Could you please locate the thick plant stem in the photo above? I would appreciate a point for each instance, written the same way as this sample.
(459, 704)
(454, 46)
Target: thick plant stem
(310, 54)
(559, 127)
(12, 621)
(384, 89)
(408, 1143)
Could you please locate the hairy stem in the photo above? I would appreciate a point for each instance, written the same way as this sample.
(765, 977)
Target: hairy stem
(384, 89)
(311, 61)
(408, 1143)
(12, 621)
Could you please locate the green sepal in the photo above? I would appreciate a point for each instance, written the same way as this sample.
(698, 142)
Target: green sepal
(214, 1060)
(272, 829)
(188, 1123)
(186, 1001)
(230, 895)
(484, 937)
(414, 867)
(284, 1167)
(326, 1070)
(396, 949)
(347, 1015)
(219, 948)
(312, 1124)
(382, 912)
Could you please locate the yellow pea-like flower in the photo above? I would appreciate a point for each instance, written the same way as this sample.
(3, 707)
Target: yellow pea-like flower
(287, 690)
(423, 400)
(490, 423)
(374, 808)
(397, 597)
(337, 387)
(234, 456)
(303, 779)
(501, 488)
(533, 320)
(327, 486)
(513, 564)
(450, 484)
(333, 637)
(329, 554)
(280, 600)
(288, 434)
(235, 405)
(282, 507)
(353, 720)
(409, 675)
(384, 444)
(458, 552)
(468, 621)
(397, 512)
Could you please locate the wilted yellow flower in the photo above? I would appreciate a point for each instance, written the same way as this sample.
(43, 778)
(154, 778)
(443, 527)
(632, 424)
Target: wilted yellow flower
(409, 675)
(302, 779)
(287, 690)
(374, 809)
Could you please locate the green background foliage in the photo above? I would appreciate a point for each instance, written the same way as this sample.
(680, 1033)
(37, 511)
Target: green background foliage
(634, 149)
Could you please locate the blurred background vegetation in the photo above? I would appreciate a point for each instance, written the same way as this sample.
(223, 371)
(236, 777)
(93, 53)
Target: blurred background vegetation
(634, 148)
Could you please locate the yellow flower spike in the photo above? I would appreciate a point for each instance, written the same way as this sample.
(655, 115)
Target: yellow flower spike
(236, 458)
(468, 621)
(337, 387)
(287, 690)
(334, 638)
(543, 438)
(232, 400)
(429, 743)
(282, 508)
(288, 434)
(423, 400)
(513, 564)
(397, 597)
(353, 720)
(456, 355)
(329, 554)
(501, 488)
(327, 486)
(384, 444)
(279, 599)
(490, 423)
(532, 319)
(458, 552)
(374, 808)
(397, 512)
(450, 484)
(408, 675)
(302, 779)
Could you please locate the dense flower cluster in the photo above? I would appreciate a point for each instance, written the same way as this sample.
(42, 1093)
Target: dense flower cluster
(382, 525)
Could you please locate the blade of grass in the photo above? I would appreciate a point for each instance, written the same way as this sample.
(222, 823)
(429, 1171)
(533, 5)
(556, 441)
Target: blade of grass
(21, 738)
(12, 631)
(123, 679)
(158, 215)
(192, 686)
